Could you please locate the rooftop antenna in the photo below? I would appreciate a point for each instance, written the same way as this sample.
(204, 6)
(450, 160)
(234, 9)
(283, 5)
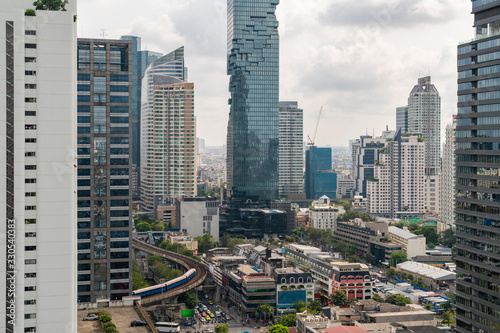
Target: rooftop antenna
(103, 33)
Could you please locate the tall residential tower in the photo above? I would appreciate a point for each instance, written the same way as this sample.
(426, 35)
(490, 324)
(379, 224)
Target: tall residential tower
(478, 174)
(253, 129)
(168, 133)
(37, 172)
(291, 161)
(424, 119)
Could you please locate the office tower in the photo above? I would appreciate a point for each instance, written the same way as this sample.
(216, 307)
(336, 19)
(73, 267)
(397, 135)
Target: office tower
(168, 133)
(447, 182)
(140, 62)
(198, 216)
(365, 155)
(402, 119)
(253, 128)
(319, 178)
(104, 169)
(38, 177)
(397, 187)
(200, 146)
(424, 118)
(477, 174)
(291, 156)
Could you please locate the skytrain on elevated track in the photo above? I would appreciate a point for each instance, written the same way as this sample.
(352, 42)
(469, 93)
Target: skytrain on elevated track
(162, 287)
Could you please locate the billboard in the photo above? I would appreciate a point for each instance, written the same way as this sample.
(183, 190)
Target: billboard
(187, 313)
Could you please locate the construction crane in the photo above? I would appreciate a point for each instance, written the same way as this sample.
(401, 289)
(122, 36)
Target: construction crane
(310, 142)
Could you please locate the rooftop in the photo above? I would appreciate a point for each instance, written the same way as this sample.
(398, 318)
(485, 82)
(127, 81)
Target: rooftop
(428, 271)
(402, 233)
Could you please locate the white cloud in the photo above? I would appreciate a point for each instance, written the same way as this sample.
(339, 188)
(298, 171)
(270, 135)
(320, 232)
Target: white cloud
(359, 59)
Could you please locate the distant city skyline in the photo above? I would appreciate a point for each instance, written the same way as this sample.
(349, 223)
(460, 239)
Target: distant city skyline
(361, 64)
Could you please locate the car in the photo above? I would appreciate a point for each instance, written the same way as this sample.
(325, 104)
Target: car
(245, 332)
(203, 314)
(138, 323)
(223, 314)
(203, 320)
(204, 307)
(228, 318)
(210, 302)
(91, 317)
(211, 315)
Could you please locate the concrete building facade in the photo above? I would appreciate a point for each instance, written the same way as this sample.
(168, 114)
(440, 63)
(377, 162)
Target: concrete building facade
(448, 180)
(198, 216)
(38, 176)
(291, 155)
(411, 244)
(323, 214)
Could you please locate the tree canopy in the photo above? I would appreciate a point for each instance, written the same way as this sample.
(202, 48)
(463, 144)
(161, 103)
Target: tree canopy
(142, 227)
(397, 299)
(50, 4)
(205, 243)
(190, 299)
(447, 238)
(288, 320)
(398, 257)
(339, 298)
(224, 328)
(278, 329)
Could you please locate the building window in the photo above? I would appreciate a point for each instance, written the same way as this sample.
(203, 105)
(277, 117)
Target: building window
(30, 154)
(30, 221)
(29, 207)
(30, 302)
(30, 113)
(30, 234)
(30, 261)
(30, 181)
(30, 316)
(30, 288)
(29, 59)
(30, 167)
(30, 99)
(29, 72)
(30, 45)
(30, 86)
(30, 140)
(30, 194)
(29, 275)
(30, 32)
(30, 248)
(30, 127)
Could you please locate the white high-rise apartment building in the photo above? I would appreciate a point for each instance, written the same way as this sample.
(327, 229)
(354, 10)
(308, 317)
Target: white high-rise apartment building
(447, 212)
(168, 133)
(397, 188)
(291, 161)
(323, 214)
(424, 118)
(38, 173)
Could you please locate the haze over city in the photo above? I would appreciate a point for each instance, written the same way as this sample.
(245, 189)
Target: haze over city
(357, 59)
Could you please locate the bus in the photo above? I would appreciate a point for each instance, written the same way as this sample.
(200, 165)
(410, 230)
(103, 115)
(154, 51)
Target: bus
(165, 327)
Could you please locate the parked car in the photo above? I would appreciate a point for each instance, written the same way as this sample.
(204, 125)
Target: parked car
(138, 323)
(228, 318)
(91, 317)
(210, 302)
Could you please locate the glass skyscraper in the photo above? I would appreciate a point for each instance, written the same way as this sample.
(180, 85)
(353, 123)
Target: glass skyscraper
(319, 177)
(140, 62)
(478, 174)
(104, 165)
(253, 129)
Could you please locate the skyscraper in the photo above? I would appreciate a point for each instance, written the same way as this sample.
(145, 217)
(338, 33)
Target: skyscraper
(141, 59)
(253, 129)
(291, 155)
(402, 119)
(168, 133)
(447, 192)
(38, 177)
(477, 174)
(424, 118)
(319, 178)
(104, 169)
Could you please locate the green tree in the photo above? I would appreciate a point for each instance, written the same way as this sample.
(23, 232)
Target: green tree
(297, 232)
(29, 12)
(109, 328)
(288, 320)
(299, 306)
(428, 306)
(265, 310)
(314, 306)
(447, 317)
(430, 234)
(278, 329)
(190, 299)
(339, 298)
(447, 238)
(391, 273)
(345, 203)
(154, 259)
(104, 317)
(142, 227)
(398, 257)
(138, 281)
(378, 298)
(50, 4)
(224, 328)
(397, 299)
(448, 306)
(205, 243)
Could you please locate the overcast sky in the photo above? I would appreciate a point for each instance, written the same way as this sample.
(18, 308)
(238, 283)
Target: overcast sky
(359, 59)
